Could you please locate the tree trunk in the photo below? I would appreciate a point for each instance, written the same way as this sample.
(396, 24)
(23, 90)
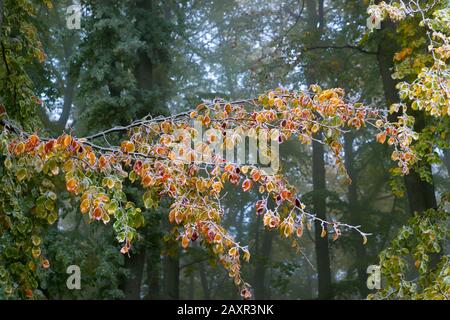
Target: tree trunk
(172, 276)
(420, 193)
(446, 160)
(204, 281)
(319, 204)
(191, 289)
(171, 266)
(131, 286)
(153, 258)
(353, 207)
(316, 24)
(1, 18)
(262, 261)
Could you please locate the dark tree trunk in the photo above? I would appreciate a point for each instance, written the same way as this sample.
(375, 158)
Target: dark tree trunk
(171, 266)
(172, 276)
(151, 73)
(144, 69)
(353, 207)
(420, 193)
(316, 24)
(131, 286)
(262, 262)
(1, 18)
(447, 160)
(191, 290)
(204, 281)
(153, 258)
(319, 204)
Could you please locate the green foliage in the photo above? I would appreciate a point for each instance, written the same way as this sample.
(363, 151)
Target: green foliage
(20, 47)
(415, 266)
(125, 58)
(27, 208)
(102, 268)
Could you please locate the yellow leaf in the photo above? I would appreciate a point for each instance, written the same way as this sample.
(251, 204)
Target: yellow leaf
(185, 242)
(315, 128)
(364, 239)
(233, 252)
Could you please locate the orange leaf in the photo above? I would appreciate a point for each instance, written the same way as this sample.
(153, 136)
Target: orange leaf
(256, 175)
(127, 146)
(20, 148)
(45, 264)
(91, 157)
(67, 141)
(33, 139)
(185, 242)
(71, 185)
(84, 206)
(97, 214)
(229, 167)
(381, 137)
(246, 185)
(285, 194)
(102, 162)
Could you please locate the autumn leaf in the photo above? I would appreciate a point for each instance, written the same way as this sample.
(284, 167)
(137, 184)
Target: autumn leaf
(256, 175)
(71, 185)
(246, 185)
(45, 264)
(84, 206)
(315, 128)
(324, 232)
(185, 241)
(97, 213)
(364, 239)
(233, 252)
(381, 137)
(21, 174)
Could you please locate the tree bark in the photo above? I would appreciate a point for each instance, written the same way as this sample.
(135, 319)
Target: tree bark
(135, 265)
(172, 276)
(1, 18)
(353, 208)
(204, 281)
(446, 160)
(316, 23)
(262, 261)
(319, 204)
(420, 193)
(171, 266)
(153, 258)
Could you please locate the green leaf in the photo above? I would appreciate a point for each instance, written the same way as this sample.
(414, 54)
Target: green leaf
(52, 217)
(49, 205)
(112, 207)
(132, 176)
(52, 195)
(148, 200)
(8, 164)
(21, 174)
(121, 236)
(36, 240)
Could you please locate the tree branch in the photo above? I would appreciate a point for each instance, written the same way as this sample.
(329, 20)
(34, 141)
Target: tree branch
(1, 18)
(336, 47)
